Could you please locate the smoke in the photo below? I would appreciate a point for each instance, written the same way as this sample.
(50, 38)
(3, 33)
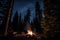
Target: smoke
(28, 26)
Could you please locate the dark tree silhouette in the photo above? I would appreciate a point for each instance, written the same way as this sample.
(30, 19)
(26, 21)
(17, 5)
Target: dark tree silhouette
(52, 17)
(37, 26)
(21, 28)
(38, 11)
(27, 17)
(5, 10)
(15, 22)
(10, 24)
(37, 19)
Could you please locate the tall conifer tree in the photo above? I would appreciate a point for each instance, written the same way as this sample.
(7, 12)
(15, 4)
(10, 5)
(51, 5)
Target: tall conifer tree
(15, 21)
(51, 20)
(37, 19)
(27, 17)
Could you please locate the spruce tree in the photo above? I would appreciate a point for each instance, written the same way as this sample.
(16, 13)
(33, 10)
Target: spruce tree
(37, 19)
(20, 25)
(15, 21)
(51, 20)
(38, 11)
(27, 17)
(5, 9)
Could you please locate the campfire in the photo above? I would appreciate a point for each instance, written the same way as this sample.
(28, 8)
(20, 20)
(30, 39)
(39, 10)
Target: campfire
(30, 32)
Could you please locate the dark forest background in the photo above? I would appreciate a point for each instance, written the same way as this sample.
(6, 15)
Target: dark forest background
(49, 26)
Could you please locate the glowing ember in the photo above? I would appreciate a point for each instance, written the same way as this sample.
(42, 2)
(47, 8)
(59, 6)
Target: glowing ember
(30, 32)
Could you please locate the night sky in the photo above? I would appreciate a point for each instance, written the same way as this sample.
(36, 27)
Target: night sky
(22, 5)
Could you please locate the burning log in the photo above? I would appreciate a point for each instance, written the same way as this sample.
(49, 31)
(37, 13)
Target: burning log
(30, 32)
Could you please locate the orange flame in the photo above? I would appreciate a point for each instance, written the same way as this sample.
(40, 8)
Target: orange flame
(30, 32)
